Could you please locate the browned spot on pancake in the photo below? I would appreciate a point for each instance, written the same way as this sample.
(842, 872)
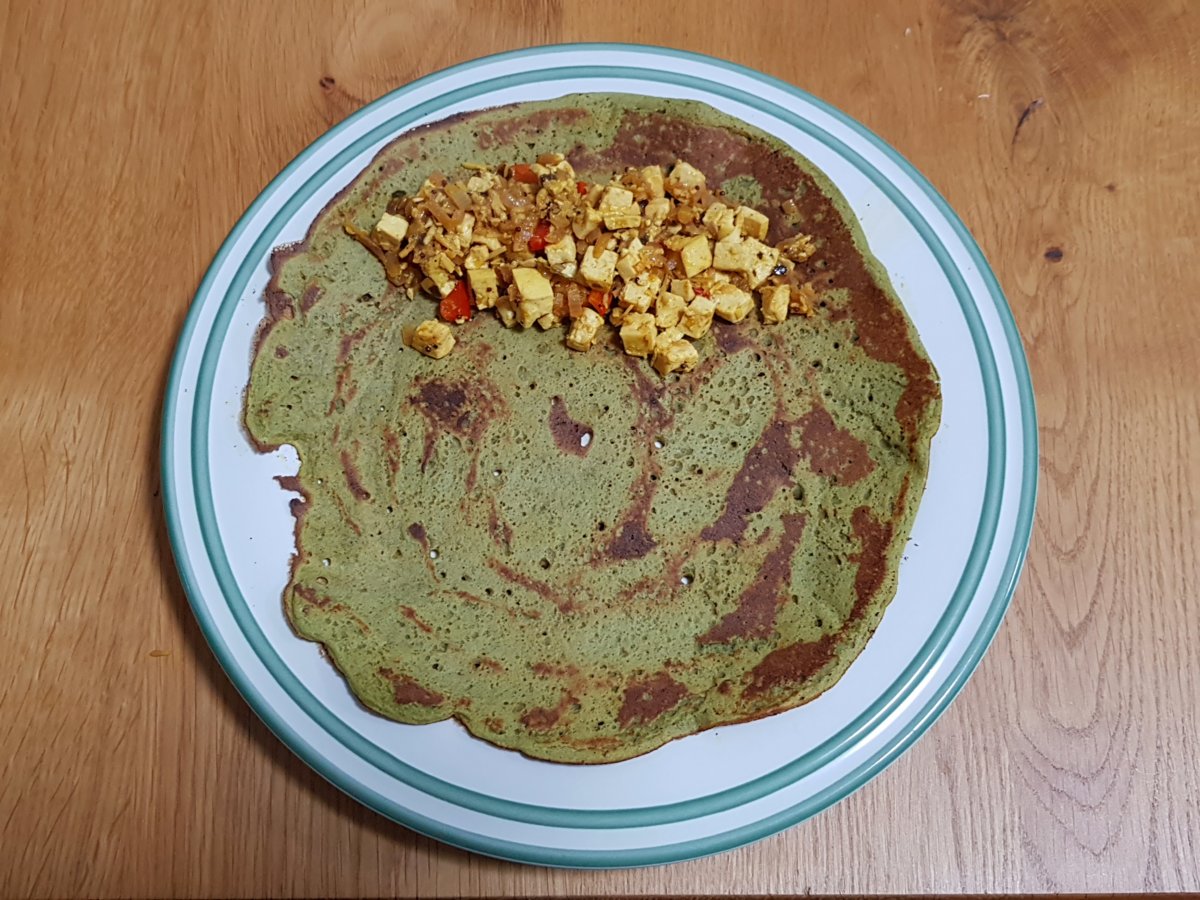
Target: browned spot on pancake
(509, 611)
(567, 432)
(407, 690)
(499, 530)
(281, 352)
(633, 541)
(759, 604)
(540, 718)
(494, 725)
(350, 341)
(799, 662)
(883, 335)
(488, 663)
(411, 614)
(833, 451)
(767, 468)
(345, 514)
(290, 483)
(662, 586)
(792, 664)
(724, 687)
(873, 538)
(464, 410)
(462, 703)
(541, 588)
(503, 131)
(595, 743)
(310, 596)
(902, 496)
(731, 338)
(353, 479)
(391, 450)
(648, 699)
(543, 718)
(549, 670)
(416, 531)
(308, 299)
(345, 389)
(279, 304)
(631, 537)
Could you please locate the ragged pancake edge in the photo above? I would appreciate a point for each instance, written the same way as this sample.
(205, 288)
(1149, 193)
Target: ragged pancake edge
(918, 415)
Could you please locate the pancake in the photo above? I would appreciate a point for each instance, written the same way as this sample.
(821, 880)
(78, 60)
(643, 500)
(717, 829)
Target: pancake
(573, 556)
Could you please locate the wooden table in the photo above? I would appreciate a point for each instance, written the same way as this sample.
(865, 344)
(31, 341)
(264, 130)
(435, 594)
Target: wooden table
(1066, 135)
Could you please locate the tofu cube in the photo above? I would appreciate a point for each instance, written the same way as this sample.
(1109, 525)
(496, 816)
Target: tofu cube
(443, 279)
(638, 333)
(775, 303)
(507, 310)
(752, 223)
(586, 221)
(653, 178)
(733, 254)
(390, 231)
(683, 180)
(696, 255)
(676, 355)
(433, 338)
(766, 258)
(481, 181)
(488, 239)
(616, 315)
(639, 295)
(584, 329)
(669, 309)
(631, 217)
(627, 262)
(798, 247)
(657, 210)
(666, 336)
(466, 228)
(560, 256)
(485, 286)
(683, 288)
(536, 295)
(548, 321)
(719, 220)
(598, 269)
(477, 257)
(618, 209)
(697, 317)
(733, 304)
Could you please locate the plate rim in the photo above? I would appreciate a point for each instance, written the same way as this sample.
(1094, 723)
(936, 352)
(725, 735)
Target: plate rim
(552, 856)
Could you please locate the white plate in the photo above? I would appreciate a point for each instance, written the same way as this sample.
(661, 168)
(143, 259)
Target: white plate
(232, 532)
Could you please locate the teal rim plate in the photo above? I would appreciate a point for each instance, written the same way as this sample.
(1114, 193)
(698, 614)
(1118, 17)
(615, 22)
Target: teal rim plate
(710, 792)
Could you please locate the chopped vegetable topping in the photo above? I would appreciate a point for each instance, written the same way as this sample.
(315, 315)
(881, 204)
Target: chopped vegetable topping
(655, 253)
(456, 306)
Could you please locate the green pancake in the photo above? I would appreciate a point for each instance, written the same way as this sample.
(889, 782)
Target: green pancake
(574, 557)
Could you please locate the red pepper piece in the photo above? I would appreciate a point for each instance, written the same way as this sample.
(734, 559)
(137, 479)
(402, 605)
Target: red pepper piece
(525, 174)
(456, 306)
(538, 242)
(600, 301)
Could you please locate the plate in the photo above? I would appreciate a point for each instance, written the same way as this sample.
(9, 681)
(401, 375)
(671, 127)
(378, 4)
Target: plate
(231, 528)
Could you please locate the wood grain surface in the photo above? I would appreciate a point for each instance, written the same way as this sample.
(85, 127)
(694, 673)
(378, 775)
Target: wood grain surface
(1066, 135)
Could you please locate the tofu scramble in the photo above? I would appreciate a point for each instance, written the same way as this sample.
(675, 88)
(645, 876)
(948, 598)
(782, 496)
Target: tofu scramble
(653, 255)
